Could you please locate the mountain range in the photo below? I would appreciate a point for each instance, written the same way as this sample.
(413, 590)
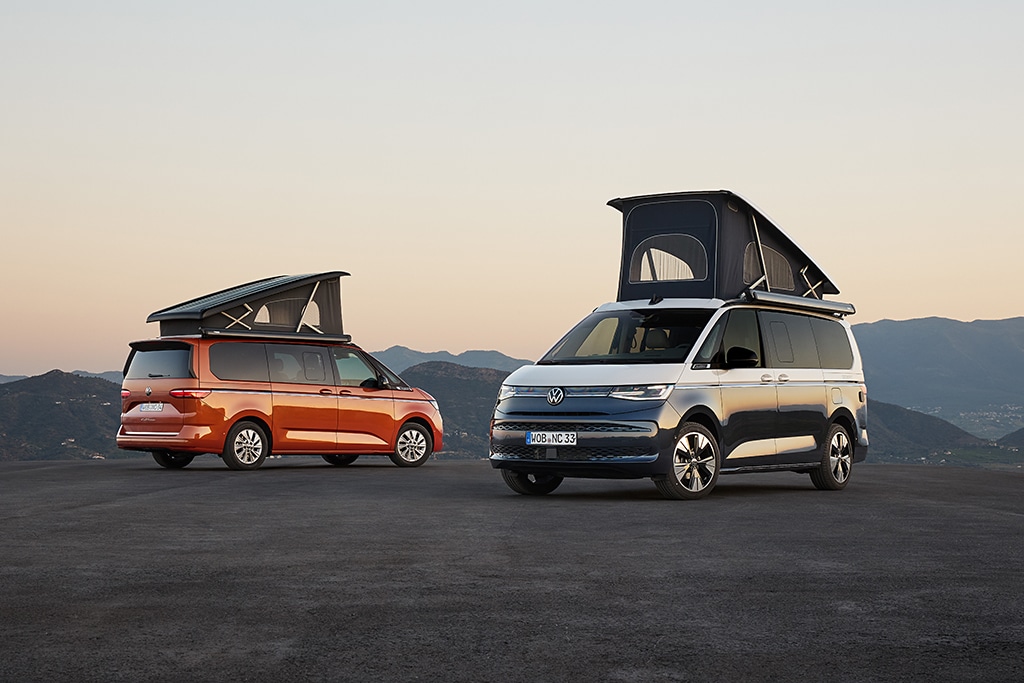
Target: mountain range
(398, 358)
(64, 416)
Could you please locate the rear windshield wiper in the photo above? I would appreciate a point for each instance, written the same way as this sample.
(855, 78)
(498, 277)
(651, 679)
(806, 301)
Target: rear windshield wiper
(156, 375)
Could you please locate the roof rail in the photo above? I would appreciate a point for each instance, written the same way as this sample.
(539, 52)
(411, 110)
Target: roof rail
(819, 305)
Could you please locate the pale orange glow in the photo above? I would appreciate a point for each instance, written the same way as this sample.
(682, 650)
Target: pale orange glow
(457, 164)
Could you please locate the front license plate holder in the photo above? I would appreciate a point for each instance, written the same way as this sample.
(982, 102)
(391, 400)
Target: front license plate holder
(550, 438)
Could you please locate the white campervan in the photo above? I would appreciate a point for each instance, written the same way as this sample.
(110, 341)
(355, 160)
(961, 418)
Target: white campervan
(719, 356)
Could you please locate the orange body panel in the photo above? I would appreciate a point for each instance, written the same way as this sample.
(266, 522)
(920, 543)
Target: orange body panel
(300, 417)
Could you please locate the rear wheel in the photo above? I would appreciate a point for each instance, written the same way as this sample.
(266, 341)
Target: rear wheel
(340, 460)
(413, 446)
(836, 461)
(172, 461)
(246, 447)
(696, 462)
(531, 484)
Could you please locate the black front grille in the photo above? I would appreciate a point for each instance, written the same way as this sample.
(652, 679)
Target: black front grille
(567, 453)
(586, 427)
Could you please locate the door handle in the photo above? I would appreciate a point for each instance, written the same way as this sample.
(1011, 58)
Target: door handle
(783, 377)
(326, 391)
(344, 392)
(765, 379)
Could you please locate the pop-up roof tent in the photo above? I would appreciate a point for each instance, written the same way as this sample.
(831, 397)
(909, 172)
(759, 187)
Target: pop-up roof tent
(286, 306)
(717, 245)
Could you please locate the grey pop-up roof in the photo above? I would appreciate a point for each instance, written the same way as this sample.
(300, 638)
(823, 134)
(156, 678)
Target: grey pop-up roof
(285, 305)
(712, 244)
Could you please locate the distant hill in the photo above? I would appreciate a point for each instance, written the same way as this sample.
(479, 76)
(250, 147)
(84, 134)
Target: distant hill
(114, 376)
(466, 396)
(59, 416)
(4, 379)
(398, 358)
(971, 374)
(902, 434)
(1014, 440)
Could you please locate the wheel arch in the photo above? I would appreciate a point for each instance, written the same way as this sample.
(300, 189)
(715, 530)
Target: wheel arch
(844, 417)
(264, 425)
(704, 416)
(422, 422)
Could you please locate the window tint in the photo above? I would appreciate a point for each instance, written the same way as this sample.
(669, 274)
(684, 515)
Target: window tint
(790, 339)
(833, 344)
(353, 371)
(146, 363)
(741, 331)
(243, 361)
(297, 364)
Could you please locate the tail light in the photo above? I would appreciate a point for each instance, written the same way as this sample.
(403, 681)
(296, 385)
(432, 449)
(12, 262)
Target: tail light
(189, 393)
(125, 393)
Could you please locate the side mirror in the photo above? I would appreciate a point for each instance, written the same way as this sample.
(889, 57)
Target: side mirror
(740, 357)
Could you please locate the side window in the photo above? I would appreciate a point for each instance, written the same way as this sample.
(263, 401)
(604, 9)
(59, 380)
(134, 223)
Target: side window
(742, 331)
(297, 364)
(243, 361)
(833, 344)
(737, 328)
(353, 371)
(790, 340)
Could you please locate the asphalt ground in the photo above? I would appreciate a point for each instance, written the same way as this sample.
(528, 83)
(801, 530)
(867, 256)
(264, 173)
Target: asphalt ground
(122, 571)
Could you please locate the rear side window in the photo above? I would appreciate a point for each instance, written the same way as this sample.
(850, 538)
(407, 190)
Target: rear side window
(160, 361)
(243, 361)
(833, 344)
(790, 340)
(297, 364)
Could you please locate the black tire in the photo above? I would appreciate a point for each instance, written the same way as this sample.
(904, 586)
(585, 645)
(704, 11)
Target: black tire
(172, 461)
(413, 445)
(836, 461)
(531, 484)
(340, 460)
(696, 462)
(246, 447)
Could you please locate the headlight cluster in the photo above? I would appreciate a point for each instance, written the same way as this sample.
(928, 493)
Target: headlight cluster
(642, 392)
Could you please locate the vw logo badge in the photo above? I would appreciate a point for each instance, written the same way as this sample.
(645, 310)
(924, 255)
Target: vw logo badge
(149, 391)
(555, 396)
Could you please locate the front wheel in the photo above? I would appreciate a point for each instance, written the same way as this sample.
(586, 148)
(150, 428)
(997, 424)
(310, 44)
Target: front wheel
(246, 447)
(172, 461)
(412, 446)
(696, 462)
(836, 461)
(530, 484)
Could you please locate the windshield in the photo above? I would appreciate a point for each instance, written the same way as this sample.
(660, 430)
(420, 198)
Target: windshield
(630, 336)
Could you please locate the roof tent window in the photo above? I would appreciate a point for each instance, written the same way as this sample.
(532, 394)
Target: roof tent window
(780, 273)
(669, 258)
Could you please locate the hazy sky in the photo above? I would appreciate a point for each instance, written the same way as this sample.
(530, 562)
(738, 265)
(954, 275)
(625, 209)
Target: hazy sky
(456, 157)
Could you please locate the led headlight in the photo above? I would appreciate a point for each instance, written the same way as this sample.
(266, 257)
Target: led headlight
(642, 392)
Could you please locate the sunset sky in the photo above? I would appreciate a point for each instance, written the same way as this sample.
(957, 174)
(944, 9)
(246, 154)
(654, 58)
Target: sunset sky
(456, 157)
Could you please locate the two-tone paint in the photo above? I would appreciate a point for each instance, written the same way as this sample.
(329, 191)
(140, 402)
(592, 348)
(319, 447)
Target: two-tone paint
(763, 418)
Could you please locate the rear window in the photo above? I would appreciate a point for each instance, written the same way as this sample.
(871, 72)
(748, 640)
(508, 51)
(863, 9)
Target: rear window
(154, 362)
(833, 344)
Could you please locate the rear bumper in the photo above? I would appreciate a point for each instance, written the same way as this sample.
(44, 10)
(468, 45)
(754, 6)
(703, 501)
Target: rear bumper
(190, 439)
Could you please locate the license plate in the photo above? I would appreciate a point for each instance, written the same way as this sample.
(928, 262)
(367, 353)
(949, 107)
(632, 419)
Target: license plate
(151, 408)
(551, 438)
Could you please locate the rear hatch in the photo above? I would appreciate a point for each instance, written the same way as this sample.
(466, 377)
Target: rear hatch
(156, 391)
